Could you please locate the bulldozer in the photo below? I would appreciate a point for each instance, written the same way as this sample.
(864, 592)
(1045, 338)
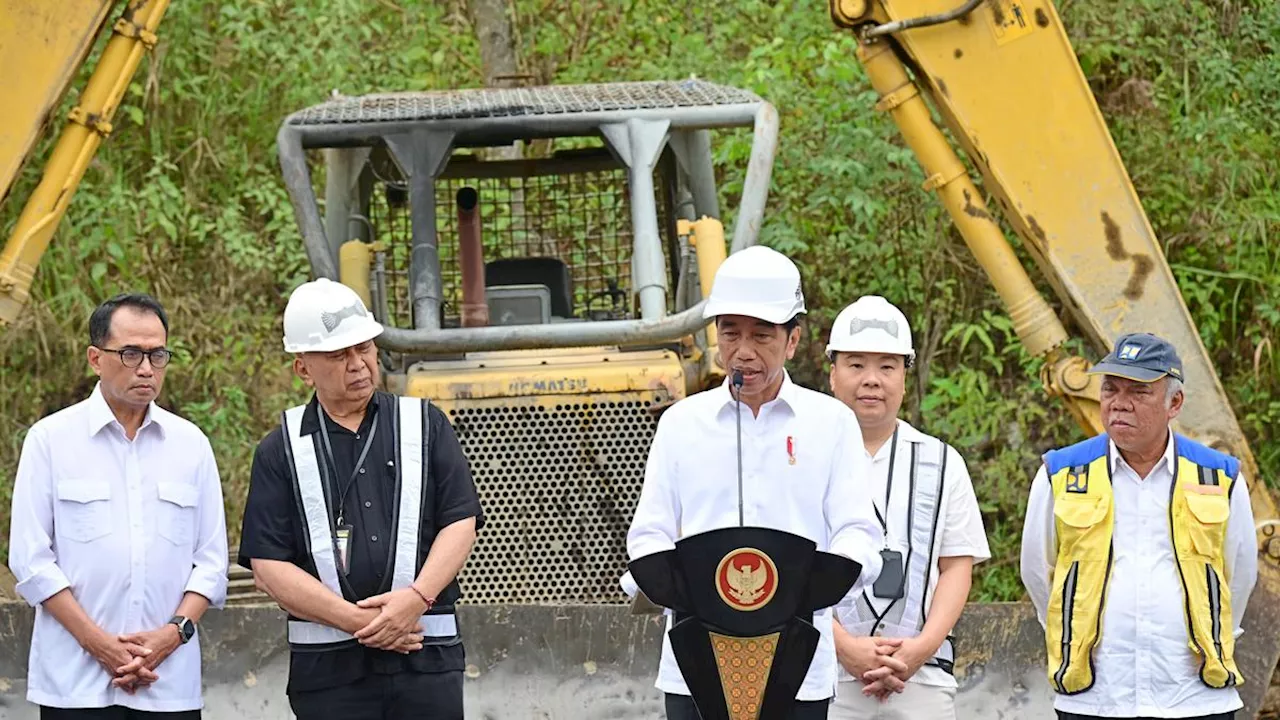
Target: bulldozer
(551, 305)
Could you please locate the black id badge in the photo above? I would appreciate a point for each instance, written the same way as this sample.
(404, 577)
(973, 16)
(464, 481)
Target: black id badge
(892, 582)
(342, 540)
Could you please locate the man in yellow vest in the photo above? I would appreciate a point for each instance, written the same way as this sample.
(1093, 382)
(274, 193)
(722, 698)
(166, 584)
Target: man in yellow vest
(1138, 552)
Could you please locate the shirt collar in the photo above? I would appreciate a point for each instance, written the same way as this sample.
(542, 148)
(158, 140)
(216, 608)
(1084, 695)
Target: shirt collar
(311, 416)
(786, 394)
(906, 434)
(101, 415)
(1165, 460)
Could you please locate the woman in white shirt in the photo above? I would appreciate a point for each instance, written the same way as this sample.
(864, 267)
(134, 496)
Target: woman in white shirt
(893, 639)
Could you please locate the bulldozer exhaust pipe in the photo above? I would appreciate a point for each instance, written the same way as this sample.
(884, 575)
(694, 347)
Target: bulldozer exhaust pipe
(475, 309)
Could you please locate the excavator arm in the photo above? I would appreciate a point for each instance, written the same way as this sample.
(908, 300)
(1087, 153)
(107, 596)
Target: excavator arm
(1004, 79)
(49, 41)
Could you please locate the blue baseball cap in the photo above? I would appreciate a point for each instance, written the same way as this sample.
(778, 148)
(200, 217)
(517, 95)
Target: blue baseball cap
(1141, 357)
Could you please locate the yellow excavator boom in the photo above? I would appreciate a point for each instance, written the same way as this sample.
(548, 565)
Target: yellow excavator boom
(1004, 80)
(49, 41)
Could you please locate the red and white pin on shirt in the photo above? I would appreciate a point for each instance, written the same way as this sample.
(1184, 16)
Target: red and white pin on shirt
(791, 450)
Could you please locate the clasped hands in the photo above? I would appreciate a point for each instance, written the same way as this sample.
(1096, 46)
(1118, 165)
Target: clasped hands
(883, 665)
(391, 621)
(131, 660)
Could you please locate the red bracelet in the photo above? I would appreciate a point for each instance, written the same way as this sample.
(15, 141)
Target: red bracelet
(429, 601)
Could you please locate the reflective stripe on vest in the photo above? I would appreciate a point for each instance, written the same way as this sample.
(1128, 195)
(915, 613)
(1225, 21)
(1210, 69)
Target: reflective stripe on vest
(906, 617)
(412, 427)
(1084, 517)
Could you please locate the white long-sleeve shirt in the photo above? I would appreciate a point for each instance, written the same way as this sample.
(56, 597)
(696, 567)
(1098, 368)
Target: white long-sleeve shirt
(1143, 665)
(691, 486)
(962, 533)
(129, 527)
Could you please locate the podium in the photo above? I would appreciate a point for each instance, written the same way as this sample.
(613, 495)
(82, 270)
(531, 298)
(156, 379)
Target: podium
(743, 600)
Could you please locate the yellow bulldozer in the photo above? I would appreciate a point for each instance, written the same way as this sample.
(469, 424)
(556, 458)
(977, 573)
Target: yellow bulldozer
(551, 303)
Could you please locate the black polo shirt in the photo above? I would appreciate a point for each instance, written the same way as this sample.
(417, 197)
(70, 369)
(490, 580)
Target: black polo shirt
(274, 529)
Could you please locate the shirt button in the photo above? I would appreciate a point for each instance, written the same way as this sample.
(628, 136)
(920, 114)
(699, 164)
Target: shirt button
(374, 538)
(368, 504)
(357, 436)
(361, 471)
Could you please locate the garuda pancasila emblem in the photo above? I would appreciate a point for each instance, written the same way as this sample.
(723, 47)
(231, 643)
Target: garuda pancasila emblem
(746, 579)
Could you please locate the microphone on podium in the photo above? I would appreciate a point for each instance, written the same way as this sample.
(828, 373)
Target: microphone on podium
(737, 397)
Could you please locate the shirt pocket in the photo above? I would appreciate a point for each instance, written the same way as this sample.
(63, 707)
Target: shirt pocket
(84, 510)
(176, 522)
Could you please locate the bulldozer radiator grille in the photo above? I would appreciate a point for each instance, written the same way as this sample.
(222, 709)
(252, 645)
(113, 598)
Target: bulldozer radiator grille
(558, 478)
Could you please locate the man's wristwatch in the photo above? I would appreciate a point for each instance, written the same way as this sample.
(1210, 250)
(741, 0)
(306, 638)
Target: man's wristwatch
(186, 628)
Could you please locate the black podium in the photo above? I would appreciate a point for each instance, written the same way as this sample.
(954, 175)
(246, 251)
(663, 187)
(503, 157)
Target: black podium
(743, 600)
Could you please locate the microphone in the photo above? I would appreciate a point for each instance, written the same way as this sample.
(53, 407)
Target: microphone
(737, 405)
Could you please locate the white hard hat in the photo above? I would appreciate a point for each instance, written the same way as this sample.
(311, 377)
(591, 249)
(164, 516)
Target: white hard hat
(323, 315)
(872, 325)
(758, 282)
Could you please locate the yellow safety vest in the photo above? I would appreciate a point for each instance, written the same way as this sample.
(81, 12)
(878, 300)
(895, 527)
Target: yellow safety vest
(1084, 510)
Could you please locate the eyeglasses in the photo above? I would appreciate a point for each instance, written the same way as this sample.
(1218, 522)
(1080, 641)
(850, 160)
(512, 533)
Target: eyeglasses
(131, 357)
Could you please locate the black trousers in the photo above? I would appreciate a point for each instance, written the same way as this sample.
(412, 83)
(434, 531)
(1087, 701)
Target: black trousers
(115, 712)
(402, 696)
(1074, 716)
(681, 707)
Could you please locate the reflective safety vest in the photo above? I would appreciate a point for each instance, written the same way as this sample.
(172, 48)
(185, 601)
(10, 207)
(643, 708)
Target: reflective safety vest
(311, 478)
(905, 617)
(1084, 514)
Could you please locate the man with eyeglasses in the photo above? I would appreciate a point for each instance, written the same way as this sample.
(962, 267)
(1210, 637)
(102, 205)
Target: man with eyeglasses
(361, 512)
(118, 536)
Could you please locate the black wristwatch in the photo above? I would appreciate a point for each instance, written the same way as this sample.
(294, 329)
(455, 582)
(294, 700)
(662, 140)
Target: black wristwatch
(186, 628)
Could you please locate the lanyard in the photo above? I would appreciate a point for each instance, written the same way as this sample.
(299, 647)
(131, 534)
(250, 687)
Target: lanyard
(888, 486)
(355, 470)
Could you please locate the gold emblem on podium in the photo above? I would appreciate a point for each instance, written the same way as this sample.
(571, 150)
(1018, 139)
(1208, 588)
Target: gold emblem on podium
(746, 579)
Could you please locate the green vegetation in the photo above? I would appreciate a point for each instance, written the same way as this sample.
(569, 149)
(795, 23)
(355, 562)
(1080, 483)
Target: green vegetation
(185, 200)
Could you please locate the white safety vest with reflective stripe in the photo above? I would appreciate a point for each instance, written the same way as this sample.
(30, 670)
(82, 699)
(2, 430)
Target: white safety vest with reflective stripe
(906, 616)
(439, 625)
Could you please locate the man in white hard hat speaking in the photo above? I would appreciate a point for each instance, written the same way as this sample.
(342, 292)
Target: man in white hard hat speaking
(361, 512)
(893, 639)
(803, 470)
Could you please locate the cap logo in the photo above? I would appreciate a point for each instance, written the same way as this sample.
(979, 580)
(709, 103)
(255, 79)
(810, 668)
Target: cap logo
(858, 324)
(1129, 352)
(333, 320)
(799, 295)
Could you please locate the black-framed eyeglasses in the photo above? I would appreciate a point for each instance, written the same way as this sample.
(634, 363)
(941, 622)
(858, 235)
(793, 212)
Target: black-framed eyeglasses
(131, 357)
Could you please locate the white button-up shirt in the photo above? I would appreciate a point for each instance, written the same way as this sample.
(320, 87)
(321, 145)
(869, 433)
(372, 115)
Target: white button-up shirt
(962, 533)
(691, 486)
(129, 527)
(1143, 665)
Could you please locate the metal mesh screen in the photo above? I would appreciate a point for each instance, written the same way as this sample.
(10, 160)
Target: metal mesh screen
(578, 211)
(521, 102)
(559, 482)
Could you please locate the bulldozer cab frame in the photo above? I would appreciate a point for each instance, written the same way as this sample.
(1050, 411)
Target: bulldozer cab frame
(596, 261)
(420, 143)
